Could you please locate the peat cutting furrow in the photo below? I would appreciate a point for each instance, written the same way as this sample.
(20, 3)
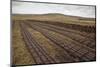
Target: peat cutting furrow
(50, 58)
(83, 40)
(74, 48)
(80, 27)
(84, 34)
(36, 51)
(63, 56)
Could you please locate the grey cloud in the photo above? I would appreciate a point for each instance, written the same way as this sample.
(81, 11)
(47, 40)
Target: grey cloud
(40, 8)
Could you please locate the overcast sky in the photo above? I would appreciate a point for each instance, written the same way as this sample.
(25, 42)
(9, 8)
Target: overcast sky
(42, 8)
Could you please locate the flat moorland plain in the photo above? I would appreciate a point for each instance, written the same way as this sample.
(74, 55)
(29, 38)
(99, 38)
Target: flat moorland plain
(52, 38)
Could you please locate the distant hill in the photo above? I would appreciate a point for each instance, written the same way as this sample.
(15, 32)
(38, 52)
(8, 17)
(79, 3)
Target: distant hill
(55, 17)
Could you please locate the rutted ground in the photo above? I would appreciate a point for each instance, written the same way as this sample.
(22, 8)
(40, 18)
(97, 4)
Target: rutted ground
(20, 54)
(43, 42)
(51, 48)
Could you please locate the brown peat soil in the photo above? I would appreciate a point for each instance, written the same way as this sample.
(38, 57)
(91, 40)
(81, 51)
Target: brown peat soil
(52, 38)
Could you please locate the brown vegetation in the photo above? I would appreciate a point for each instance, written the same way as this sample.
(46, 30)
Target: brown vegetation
(52, 38)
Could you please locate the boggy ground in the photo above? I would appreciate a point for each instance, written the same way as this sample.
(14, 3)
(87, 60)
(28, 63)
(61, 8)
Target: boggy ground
(45, 42)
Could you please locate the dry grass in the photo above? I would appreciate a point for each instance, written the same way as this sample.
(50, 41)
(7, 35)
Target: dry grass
(21, 56)
(46, 43)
